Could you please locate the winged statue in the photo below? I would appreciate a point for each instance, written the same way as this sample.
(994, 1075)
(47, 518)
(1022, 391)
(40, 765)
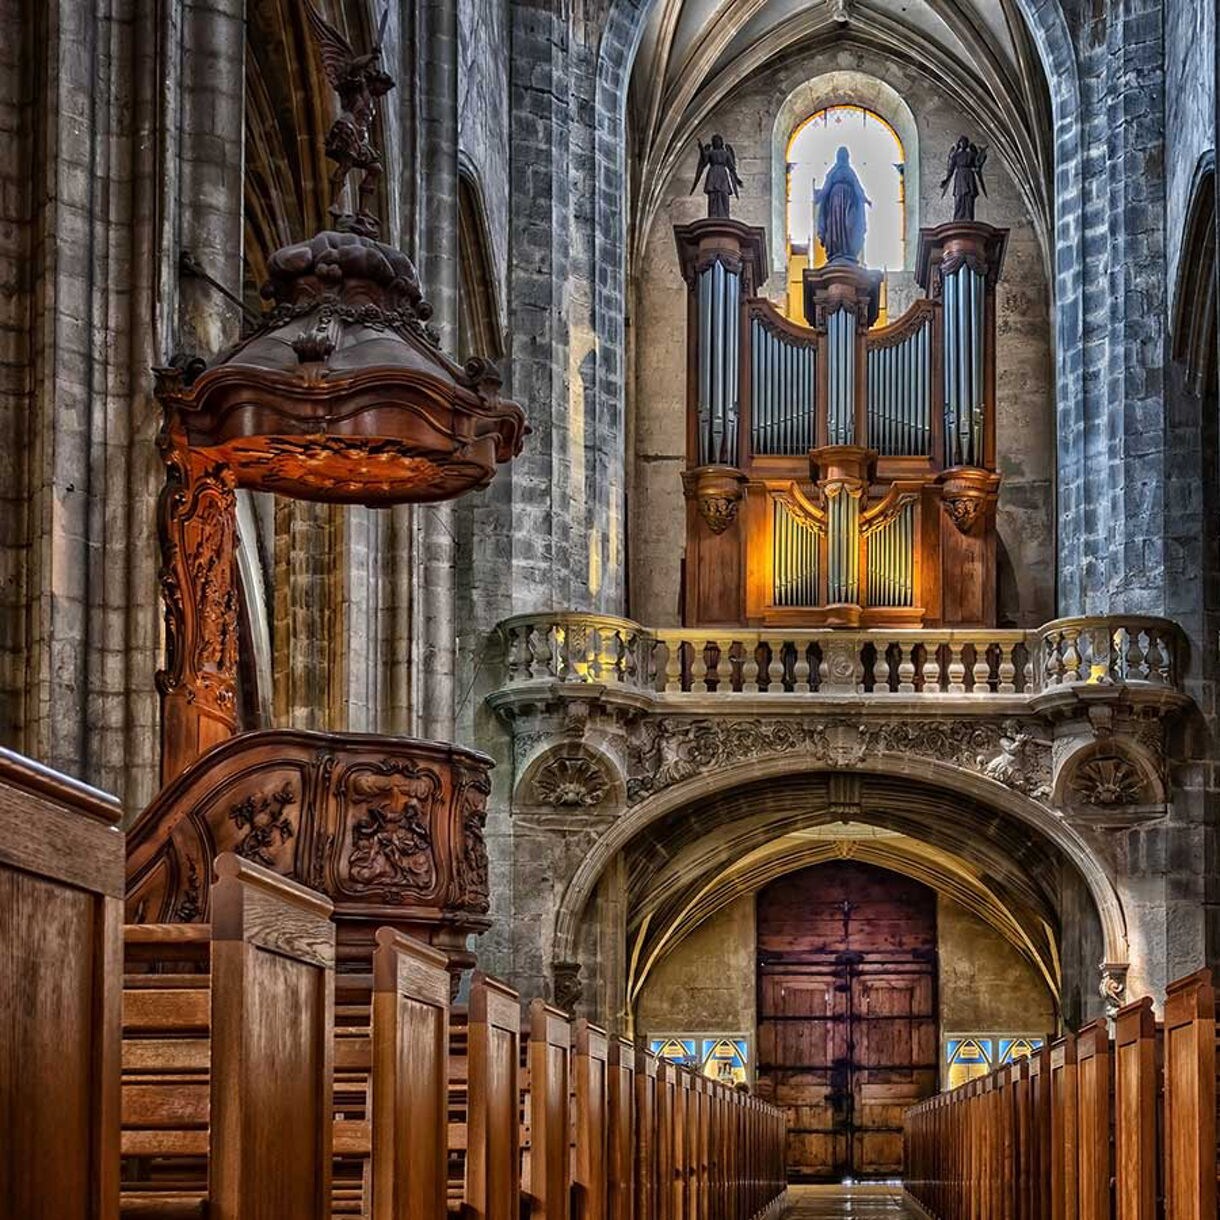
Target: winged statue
(965, 174)
(722, 181)
(358, 80)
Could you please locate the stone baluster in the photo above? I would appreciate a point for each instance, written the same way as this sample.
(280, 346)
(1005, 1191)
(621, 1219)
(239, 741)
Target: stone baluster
(1052, 659)
(1007, 671)
(1156, 658)
(1071, 654)
(982, 668)
(931, 667)
(906, 669)
(1027, 671)
(542, 645)
(673, 664)
(957, 668)
(800, 667)
(749, 666)
(698, 665)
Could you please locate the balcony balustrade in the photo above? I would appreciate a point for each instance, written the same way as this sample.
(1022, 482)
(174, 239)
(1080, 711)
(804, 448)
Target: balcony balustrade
(1118, 650)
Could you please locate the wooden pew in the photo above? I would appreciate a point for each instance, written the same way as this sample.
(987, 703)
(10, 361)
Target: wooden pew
(1094, 1141)
(620, 1100)
(1137, 1105)
(492, 1128)
(1189, 1146)
(647, 1163)
(61, 896)
(547, 1169)
(228, 1073)
(591, 1098)
(1064, 1155)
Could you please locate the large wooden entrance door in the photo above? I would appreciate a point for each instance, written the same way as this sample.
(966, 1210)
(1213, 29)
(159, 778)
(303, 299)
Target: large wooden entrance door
(846, 1014)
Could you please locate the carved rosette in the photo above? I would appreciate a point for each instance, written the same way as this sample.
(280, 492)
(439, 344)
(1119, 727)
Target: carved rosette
(717, 492)
(390, 829)
(968, 494)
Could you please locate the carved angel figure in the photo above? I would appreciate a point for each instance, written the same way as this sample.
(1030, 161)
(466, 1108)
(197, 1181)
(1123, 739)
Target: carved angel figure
(722, 181)
(965, 172)
(359, 81)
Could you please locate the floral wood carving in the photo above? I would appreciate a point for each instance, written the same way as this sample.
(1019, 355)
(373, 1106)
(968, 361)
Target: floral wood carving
(198, 529)
(390, 829)
(264, 823)
(571, 782)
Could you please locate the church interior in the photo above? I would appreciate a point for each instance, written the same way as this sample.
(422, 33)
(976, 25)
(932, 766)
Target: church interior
(610, 609)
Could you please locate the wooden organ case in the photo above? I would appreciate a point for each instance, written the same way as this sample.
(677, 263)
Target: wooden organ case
(840, 474)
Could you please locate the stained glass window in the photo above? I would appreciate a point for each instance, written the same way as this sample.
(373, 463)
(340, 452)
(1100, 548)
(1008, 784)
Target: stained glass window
(724, 1057)
(968, 1056)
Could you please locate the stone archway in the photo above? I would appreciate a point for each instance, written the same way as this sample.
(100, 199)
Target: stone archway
(689, 849)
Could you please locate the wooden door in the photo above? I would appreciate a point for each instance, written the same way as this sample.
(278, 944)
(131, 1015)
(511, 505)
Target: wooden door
(846, 1014)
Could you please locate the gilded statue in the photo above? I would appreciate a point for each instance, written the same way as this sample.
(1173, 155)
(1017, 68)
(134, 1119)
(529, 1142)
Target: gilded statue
(965, 174)
(842, 220)
(722, 181)
(358, 80)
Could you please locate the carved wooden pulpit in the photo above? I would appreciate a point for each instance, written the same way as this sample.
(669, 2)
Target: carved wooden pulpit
(342, 395)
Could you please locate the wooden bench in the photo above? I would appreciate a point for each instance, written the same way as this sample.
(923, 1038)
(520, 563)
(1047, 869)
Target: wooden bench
(227, 1069)
(61, 895)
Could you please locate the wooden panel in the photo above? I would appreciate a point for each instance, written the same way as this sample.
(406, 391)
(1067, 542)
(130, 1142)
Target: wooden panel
(549, 1171)
(1093, 1085)
(1064, 1137)
(647, 1154)
(847, 1014)
(272, 1046)
(1190, 1099)
(590, 1170)
(493, 1157)
(1136, 1107)
(61, 864)
(410, 1077)
(621, 1100)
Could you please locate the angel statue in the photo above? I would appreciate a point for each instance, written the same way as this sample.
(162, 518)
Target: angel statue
(965, 172)
(359, 81)
(722, 181)
(842, 220)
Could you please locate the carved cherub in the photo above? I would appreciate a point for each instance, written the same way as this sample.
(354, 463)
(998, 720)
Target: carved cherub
(359, 81)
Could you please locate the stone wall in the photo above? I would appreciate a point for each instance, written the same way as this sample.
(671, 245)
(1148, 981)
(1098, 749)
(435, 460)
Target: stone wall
(1025, 429)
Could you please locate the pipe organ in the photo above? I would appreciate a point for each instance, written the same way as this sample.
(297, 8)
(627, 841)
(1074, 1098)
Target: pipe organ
(840, 473)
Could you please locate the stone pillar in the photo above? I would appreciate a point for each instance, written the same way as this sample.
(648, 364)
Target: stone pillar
(434, 629)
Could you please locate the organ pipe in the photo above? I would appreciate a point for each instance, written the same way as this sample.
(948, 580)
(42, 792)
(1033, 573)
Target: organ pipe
(794, 559)
(898, 395)
(782, 385)
(891, 560)
(719, 364)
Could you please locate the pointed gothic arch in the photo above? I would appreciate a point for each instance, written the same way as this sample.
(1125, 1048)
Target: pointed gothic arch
(480, 330)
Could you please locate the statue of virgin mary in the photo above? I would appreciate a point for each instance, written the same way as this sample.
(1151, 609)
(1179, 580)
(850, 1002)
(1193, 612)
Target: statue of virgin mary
(842, 221)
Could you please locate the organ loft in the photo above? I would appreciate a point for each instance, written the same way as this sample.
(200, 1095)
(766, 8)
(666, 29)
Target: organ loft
(609, 611)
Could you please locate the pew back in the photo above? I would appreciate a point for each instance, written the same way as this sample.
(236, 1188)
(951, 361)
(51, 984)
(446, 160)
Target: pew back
(61, 893)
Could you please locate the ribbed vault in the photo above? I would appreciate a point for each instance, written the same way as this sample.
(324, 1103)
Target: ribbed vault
(979, 54)
(693, 861)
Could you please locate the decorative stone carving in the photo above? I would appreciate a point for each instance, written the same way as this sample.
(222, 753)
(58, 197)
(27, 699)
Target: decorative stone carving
(567, 985)
(1108, 780)
(1113, 986)
(262, 819)
(1011, 764)
(670, 750)
(571, 782)
(474, 889)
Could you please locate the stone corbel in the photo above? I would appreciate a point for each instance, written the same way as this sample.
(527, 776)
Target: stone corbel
(1113, 986)
(566, 984)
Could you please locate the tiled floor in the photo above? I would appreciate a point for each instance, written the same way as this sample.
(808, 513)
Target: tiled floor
(857, 1202)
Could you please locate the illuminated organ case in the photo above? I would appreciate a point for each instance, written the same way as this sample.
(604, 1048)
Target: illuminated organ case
(840, 474)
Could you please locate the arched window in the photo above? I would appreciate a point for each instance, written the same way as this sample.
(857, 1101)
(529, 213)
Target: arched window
(879, 160)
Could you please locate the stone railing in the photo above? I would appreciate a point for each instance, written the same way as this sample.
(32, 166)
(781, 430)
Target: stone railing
(615, 652)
